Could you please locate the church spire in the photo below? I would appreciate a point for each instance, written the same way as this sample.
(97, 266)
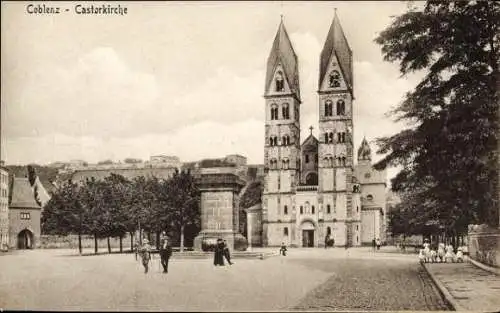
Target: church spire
(282, 65)
(336, 45)
(364, 151)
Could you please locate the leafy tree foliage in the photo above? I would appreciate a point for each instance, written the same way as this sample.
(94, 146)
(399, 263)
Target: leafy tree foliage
(449, 150)
(114, 206)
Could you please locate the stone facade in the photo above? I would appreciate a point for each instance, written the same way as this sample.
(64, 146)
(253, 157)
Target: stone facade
(220, 218)
(4, 209)
(313, 189)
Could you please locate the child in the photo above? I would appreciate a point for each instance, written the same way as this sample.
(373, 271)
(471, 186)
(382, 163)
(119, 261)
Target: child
(421, 256)
(283, 249)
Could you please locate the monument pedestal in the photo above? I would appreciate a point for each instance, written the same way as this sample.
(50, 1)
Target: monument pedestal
(484, 244)
(220, 208)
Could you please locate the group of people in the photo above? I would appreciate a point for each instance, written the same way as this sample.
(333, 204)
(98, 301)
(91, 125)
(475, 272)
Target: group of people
(444, 253)
(144, 251)
(221, 251)
(376, 244)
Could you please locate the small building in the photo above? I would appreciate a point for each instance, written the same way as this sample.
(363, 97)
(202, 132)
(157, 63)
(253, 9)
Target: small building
(165, 160)
(4, 209)
(24, 215)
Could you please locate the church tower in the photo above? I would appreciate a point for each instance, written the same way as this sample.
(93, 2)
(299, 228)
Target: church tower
(335, 89)
(282, 140)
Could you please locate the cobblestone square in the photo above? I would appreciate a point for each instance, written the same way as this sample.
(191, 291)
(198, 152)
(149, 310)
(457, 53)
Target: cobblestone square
(306, 279)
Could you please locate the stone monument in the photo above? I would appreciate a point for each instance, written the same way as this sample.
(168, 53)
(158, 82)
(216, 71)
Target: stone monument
(219, 189)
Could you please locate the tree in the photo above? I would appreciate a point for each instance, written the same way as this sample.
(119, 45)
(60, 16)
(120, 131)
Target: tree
(64, 214)
(449, 150)
(183, 203)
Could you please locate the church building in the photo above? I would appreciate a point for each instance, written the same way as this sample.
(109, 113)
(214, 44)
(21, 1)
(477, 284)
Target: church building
(313, 188)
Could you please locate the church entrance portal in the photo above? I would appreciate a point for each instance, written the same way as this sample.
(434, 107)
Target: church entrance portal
(25, 239)
(308, 238)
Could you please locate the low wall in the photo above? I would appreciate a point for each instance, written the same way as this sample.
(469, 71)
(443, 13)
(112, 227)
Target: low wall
(484, 244)
(71, 242)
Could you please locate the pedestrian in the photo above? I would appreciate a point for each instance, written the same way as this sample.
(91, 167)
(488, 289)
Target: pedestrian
(219, 253)
(327, 241)
(226, 253)
(283, 249)
(165, 252)
(145, 251)
(374, 244)
(136, 249)
(378, 243)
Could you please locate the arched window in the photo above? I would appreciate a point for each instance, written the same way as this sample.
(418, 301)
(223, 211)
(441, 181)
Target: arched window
(328, 108)
(330, 137)
(341, 137)
(285, 163)
(285, 111)
(274, 112)
(343, 161)
(341, 107)
(301, 210)
(280, 83)
(307, 158)
(328, 209)
(285, 210)
(328, 231)
(285, 140)
(369, 197)
(312, 209)
(285, 231)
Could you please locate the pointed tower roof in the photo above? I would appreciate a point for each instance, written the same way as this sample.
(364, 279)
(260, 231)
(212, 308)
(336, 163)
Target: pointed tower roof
(336, 43)
(282, 53)
(364, 151)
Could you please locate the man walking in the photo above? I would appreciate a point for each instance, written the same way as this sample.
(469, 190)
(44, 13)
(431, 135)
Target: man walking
(145, 251)
(227, 254)
(165, 251)
(378, 243)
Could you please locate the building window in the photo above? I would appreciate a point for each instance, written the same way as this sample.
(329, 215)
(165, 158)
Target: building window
(341, 137)
(312, 209)
(274, 112)
(285, 231)
(285, 140)
(369, 197)
(328, 209)
(280, 83)
(285, 164)
(273, 141)
(367, 175)
(285, 209)
(333, 80)
(301, 210)
(330, 137)
(307, 158)
(328, 231)
(328, 108)
(357, 208)
(357, 227)
(25, 216)
(285, 110)
(341, 107)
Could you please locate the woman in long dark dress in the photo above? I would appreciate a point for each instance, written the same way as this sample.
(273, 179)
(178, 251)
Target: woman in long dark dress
(219, 253)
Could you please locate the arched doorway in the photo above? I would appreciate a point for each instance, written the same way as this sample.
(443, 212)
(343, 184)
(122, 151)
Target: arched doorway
(25, 239)
(312, 179)
(307, 234)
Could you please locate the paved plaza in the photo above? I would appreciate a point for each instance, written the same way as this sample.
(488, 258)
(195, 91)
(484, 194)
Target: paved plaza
(306, 279)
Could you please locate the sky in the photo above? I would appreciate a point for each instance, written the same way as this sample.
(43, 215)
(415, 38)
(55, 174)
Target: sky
(176, 78)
